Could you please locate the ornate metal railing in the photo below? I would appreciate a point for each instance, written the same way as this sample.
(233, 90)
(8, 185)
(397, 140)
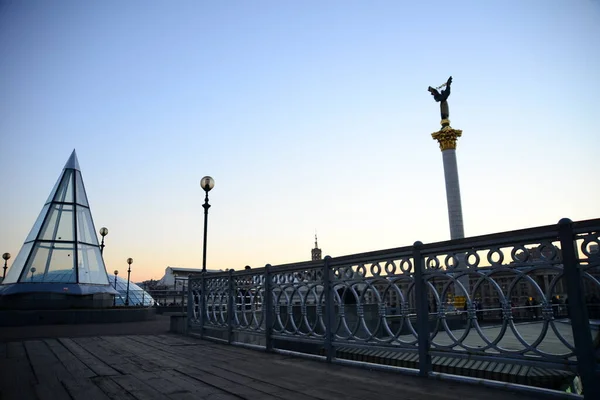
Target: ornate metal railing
(521, 298)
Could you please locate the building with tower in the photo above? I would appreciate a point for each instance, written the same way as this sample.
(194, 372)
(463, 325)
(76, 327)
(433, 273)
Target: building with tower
(316, 252)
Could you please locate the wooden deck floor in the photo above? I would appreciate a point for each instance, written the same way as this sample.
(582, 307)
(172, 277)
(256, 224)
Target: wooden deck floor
(179, 367)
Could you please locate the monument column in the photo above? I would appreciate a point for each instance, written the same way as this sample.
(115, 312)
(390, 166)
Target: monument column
(447, 138)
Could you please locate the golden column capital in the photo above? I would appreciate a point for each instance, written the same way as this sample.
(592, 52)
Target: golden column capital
(447, 136)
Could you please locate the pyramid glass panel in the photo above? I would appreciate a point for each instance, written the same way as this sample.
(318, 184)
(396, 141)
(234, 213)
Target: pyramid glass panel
(38, 262)
(85, 226)
(91, 267)
(17, 266)
(53, 192)
(38, 223)
(48, 259)
(64, 193)
(59, 224)
(81, 197)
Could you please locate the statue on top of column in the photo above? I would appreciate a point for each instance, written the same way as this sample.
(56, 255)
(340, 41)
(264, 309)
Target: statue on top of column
(442, 97)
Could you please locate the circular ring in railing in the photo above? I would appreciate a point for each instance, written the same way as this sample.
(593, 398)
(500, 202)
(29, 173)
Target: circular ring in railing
(376, 269)
(433, 263)
(362, 271)
(495, 252)
(547, 251)
(390, 268)
(406, 265)
(472, 253)
(522, 256)
(451, 261)
(591, 242)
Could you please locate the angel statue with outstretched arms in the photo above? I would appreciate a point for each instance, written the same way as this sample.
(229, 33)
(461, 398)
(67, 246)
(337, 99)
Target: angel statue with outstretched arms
(442, 97)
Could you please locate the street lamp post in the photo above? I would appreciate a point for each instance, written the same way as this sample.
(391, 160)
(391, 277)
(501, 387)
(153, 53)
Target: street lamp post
(129, 261)
(207, 183)
(32, 272)
(6, 257)
(115, 300)
(103, 232)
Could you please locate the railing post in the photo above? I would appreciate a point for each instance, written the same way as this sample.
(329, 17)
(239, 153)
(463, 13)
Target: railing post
(328, 287)
(202, 302)
(230, 306)
(422, 311)
(268, 309)
(580, 324)
(190, 310)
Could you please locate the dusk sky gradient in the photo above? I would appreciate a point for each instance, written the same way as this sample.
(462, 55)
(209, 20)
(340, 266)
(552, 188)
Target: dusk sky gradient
(309, 115)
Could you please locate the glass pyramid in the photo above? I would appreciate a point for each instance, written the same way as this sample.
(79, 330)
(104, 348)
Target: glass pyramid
(62, 246)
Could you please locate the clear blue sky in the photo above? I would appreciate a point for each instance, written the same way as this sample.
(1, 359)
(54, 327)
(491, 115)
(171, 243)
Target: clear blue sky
(310, 115)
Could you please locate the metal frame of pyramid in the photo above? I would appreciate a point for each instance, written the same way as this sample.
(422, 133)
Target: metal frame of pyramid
(61, 254)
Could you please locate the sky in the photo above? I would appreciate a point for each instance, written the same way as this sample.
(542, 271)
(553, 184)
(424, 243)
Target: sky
(311, 116)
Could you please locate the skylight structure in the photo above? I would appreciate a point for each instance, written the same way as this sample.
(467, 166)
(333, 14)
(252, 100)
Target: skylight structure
(61, 253)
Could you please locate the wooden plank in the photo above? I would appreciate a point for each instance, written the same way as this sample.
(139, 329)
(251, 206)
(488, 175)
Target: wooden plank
(18, 393)
(128, 353)
(116, 358)
(72, 364)
(111, 389)
(53, 391)
(142, 353)
(47, 370)
(228, 386)
(164, 386)
(191, 385)
(99, 367)
(83, 389)
(137, 388)
(16, 372)
(54, 377)
(263, 376)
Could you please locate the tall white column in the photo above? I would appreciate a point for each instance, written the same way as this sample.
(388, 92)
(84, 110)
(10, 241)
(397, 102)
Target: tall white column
(447, 138)
(455, 217)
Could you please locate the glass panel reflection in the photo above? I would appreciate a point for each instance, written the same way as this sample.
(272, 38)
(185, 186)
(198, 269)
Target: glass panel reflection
(91, 266)
(17, 266)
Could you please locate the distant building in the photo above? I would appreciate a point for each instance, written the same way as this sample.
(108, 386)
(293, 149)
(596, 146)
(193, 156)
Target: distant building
(316, 252)
(175, 277)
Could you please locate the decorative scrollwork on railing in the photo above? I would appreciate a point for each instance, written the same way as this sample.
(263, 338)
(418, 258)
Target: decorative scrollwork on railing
(248, 302)
(298, 300)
